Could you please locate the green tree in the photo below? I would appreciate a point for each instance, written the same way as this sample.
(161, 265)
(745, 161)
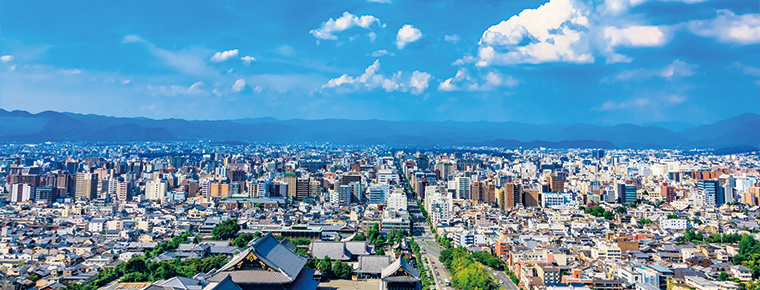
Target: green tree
(342, 270)
(325, 265)
(34, 277)
(645, 221)
(380, 251)
(136, 264)
(359, 237)
(242, 240)
(723, 276)
(225, 230)
(621, 210)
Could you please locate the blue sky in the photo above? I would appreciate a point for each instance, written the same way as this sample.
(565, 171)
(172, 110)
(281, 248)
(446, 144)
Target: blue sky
(561, 61)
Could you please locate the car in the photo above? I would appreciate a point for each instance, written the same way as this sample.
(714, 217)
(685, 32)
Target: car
(502, 282)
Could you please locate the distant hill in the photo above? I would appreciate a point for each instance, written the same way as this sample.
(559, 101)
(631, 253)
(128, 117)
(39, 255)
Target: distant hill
(742, 131)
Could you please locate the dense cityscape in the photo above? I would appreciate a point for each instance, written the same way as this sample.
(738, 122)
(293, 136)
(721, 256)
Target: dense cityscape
(233, 215)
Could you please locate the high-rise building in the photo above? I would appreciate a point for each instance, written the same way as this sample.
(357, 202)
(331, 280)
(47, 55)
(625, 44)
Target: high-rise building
(291, 179)
(512, 195)
(345, 179)
(302, 188)
(438, 204)
(711, 192)
(123, 191)
(668, 192)
(155, 189)
(377, 193)
(86, 186)
(626, 193)
(344, 195)
(21, 192)
(463, 187)
(397, 200)
(477, 190)
(556, 183)
(357, 191)
(46, 194)
(531, 198)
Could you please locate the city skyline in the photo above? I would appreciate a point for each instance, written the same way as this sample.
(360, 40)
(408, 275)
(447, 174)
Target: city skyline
(543, 62)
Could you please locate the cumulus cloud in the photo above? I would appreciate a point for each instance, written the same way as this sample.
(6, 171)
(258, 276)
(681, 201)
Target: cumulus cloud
(417, 83)
(675, 69)
(177, 90)
(463, 81)
(728, 27)
(549, 33)
(238, 86)
(329, 28)
(224, 55)
(571, 31)
(247, 60)
(6, 58)
(407, 34)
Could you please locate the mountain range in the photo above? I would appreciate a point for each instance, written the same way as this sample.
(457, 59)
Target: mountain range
(21, 126)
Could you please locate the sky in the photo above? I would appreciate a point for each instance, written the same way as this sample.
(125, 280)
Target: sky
(545, 62)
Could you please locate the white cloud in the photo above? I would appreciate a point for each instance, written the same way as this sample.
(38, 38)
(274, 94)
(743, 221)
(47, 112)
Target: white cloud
(238, 86)
(637, 36)
(570, 31)
(676, 69)
(186, 61)
(447, 86)
(224, 55)
(419, 82)
(379, 53)
(6, 58)
(380, 1)
(619, 6)
(728, 27)
(407, 34)
(370, 80)
(328, 28)
(125, 82)
(132, 38)
(553, 32)
(746, 69)
(463, 81)
(454, 38)
(646, 104)
(623, 105)
(247, 60)
(71, 72)
(176, 90)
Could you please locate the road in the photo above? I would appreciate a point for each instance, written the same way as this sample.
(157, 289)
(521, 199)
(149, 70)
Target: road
(503, 279)
(439, 273)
